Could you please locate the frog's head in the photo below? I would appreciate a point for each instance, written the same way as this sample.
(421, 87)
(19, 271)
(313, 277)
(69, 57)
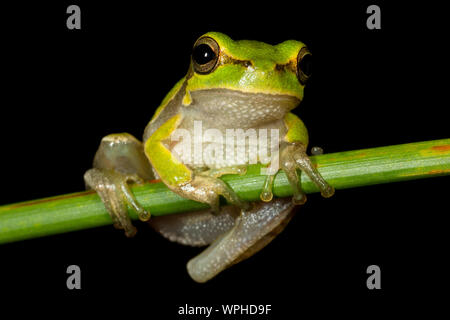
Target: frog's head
(236, 78)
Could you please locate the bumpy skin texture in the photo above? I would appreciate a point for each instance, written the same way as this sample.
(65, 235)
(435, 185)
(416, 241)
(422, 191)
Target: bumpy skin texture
(253, 85)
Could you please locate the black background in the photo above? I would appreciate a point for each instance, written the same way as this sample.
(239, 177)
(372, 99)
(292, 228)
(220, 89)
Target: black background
(63, 90)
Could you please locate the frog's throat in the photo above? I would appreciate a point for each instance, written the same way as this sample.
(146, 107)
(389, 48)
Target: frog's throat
(242, 109)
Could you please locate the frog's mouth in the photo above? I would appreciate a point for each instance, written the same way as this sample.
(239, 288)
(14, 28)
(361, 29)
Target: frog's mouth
(236, 109)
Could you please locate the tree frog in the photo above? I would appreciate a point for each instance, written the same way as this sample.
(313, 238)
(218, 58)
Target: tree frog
(229, 85)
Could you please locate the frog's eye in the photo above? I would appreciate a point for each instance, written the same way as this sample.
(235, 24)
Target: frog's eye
(304, 65)
(205, 55)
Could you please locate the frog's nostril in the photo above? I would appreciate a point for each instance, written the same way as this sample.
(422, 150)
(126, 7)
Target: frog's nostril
(279, 67)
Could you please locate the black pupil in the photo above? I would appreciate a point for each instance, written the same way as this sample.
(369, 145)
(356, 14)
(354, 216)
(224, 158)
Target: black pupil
(203, 54)
(306, 65)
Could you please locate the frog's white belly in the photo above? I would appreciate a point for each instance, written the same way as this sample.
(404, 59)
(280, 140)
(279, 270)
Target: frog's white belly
(225, 148)
(216, 155)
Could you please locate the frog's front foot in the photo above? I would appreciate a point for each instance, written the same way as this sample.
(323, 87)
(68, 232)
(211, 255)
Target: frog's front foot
(113, 189)
(207, 189)
(292, 157)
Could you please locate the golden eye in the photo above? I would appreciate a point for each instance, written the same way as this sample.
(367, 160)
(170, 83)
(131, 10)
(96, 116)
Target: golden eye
(205, 55)
(304, 65)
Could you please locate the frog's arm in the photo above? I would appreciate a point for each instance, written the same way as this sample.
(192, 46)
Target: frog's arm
(296, 129)
(292, 157)
(178, 177)
(168, 167)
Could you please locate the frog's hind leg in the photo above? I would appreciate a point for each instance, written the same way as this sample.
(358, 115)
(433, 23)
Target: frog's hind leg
(120, 160)
(252, 231)
(196, 228)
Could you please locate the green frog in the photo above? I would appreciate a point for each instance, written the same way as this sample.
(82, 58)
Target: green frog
(230, 85)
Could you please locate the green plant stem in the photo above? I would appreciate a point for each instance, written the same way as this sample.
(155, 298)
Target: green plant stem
(348, 169)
